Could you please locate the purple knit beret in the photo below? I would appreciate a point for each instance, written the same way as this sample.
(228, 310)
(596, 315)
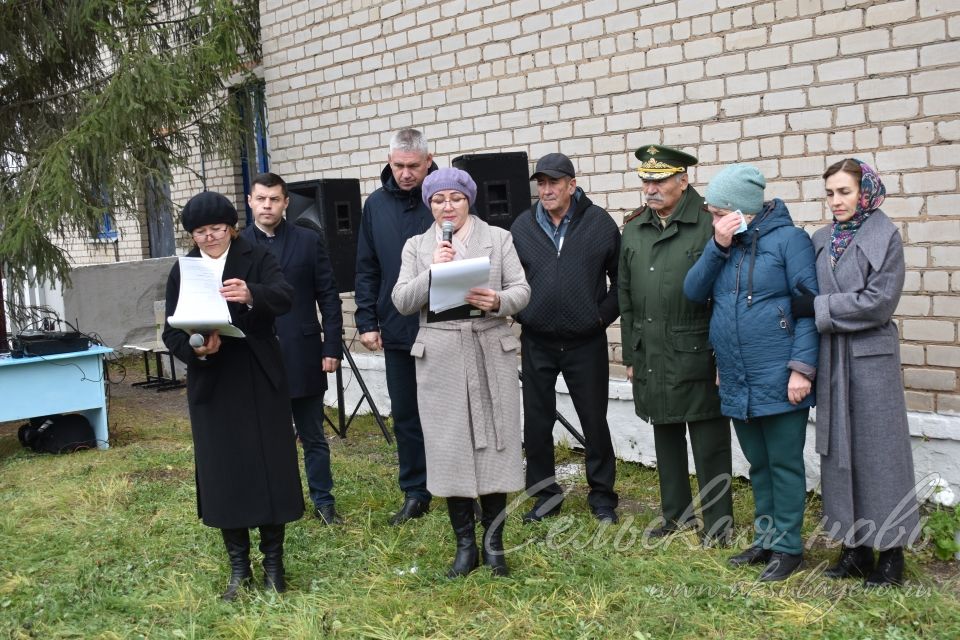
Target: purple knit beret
(443, 179)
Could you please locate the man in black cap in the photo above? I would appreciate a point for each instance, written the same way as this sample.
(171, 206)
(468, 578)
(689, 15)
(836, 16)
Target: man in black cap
(568, 247)
(665, 343)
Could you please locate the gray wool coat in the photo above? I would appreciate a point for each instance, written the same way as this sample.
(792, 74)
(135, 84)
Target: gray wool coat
(863, 438)
(468, 390)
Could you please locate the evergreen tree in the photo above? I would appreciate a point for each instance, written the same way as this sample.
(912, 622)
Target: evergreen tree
(98, 99)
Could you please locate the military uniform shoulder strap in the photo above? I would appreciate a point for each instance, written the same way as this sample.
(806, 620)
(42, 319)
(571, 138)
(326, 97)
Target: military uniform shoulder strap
(633, 215)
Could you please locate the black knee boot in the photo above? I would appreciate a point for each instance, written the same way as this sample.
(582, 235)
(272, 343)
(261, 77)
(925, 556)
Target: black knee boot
(271, 545)
(889, 569)
(853, 562)
(238, 550)
(463, 521)
(494, 507)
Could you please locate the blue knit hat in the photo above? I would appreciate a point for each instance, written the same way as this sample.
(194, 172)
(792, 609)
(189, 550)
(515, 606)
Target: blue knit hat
(450, 178)
(738, 186)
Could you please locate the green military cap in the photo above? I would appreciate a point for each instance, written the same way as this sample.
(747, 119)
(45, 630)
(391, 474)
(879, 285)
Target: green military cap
(658, 162)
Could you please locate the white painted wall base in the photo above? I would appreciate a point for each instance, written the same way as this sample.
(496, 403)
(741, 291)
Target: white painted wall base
(936, 437)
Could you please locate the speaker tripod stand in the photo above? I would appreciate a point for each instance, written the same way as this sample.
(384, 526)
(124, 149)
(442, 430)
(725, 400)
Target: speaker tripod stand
(343, 421)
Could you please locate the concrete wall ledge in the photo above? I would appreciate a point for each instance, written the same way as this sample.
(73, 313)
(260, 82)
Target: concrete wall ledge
(935, 437)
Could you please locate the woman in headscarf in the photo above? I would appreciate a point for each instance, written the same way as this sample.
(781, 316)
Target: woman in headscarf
(468, 390)
(866, 465)
(755, 263)
(243, 440)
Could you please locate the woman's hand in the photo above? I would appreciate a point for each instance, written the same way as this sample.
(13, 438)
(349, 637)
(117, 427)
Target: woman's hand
(444, 252)
(798, 387)
(235, 290)
(211, 344)
(724, 227)
(484, 299)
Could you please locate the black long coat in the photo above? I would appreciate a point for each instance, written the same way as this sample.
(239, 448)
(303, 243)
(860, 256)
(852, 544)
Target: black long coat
(244, 446)
(306, 267)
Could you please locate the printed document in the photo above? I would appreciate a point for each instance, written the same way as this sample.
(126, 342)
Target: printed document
(450, 282)
(200, 307)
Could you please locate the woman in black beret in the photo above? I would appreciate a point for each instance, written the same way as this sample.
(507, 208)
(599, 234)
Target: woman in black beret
(244, 444)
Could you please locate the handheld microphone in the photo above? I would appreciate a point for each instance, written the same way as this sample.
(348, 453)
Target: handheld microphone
(447, 228)
(196, 340)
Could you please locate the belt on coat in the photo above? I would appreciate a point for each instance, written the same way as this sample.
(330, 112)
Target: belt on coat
(836, 421)
(475, 342)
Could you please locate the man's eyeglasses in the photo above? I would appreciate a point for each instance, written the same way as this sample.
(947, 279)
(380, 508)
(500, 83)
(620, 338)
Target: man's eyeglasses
(454, 201)
(214, 233)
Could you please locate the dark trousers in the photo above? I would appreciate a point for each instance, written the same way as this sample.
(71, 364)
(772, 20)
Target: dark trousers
(774, 447)
(308, 417)
(710, 442)
(586, 370)
(402, 387)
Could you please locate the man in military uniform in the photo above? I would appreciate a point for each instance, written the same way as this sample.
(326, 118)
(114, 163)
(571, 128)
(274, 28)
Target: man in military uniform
(665, 343)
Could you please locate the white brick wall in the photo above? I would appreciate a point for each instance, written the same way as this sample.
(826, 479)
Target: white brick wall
(789, 85)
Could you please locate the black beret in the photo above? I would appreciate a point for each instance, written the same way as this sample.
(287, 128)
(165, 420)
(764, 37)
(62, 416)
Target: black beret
(208, 207)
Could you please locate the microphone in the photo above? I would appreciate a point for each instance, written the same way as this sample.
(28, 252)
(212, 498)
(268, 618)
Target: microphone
(447, 228)
(196, 340)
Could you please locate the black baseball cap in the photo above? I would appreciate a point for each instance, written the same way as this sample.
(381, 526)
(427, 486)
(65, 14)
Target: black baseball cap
(554, 165)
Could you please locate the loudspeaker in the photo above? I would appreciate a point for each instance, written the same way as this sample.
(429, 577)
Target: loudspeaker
(503, 185)
(331, 207)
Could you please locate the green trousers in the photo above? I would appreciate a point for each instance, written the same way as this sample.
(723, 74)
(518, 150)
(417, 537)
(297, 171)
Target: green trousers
(710, 441)
(774, 447)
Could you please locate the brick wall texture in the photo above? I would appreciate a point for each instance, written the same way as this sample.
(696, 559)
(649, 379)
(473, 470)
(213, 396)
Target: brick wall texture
(787, 85)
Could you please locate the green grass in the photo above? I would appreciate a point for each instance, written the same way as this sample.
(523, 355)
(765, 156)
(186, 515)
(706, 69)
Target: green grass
(107, 545)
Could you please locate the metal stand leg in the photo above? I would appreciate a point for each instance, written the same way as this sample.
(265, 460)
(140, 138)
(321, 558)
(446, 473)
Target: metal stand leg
(345, 423)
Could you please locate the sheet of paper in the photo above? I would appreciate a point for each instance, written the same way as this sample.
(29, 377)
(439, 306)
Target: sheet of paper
(200, 307)
(450, 282)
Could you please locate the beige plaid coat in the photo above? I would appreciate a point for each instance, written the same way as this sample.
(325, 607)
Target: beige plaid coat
(467, 385)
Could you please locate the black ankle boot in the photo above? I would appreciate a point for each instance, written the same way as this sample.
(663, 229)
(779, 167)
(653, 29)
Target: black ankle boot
(493, 507)
(853, 562)
(464, 523)
(889, 569)
(271, 545)
(237, 542)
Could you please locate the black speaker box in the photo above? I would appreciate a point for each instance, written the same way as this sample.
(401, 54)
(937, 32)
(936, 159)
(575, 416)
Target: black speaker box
(331, 207)
(503, 185)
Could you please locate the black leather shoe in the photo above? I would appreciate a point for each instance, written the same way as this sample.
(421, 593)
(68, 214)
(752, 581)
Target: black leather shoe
(540, 510)
(781, 566)
(412, 508)
(752, 555)
(854, 562)
(327, 514)
(606, 515)
(889, 570)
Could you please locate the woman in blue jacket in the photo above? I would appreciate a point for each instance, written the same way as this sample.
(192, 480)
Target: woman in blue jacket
(766, 360)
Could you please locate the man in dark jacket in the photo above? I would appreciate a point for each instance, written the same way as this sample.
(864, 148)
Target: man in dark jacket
(569, 248)
(308, 354)
(666, 345)
(392, 214)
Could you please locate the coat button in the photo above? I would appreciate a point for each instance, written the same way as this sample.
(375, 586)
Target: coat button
(651, 268)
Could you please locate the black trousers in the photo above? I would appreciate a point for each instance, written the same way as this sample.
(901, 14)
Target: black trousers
(586, 370)
(401, 370)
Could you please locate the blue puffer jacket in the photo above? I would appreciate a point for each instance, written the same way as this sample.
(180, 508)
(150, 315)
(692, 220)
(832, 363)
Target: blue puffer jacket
(752, 330)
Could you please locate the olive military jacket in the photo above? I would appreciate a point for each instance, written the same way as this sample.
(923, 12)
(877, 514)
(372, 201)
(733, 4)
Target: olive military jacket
(665, 335)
